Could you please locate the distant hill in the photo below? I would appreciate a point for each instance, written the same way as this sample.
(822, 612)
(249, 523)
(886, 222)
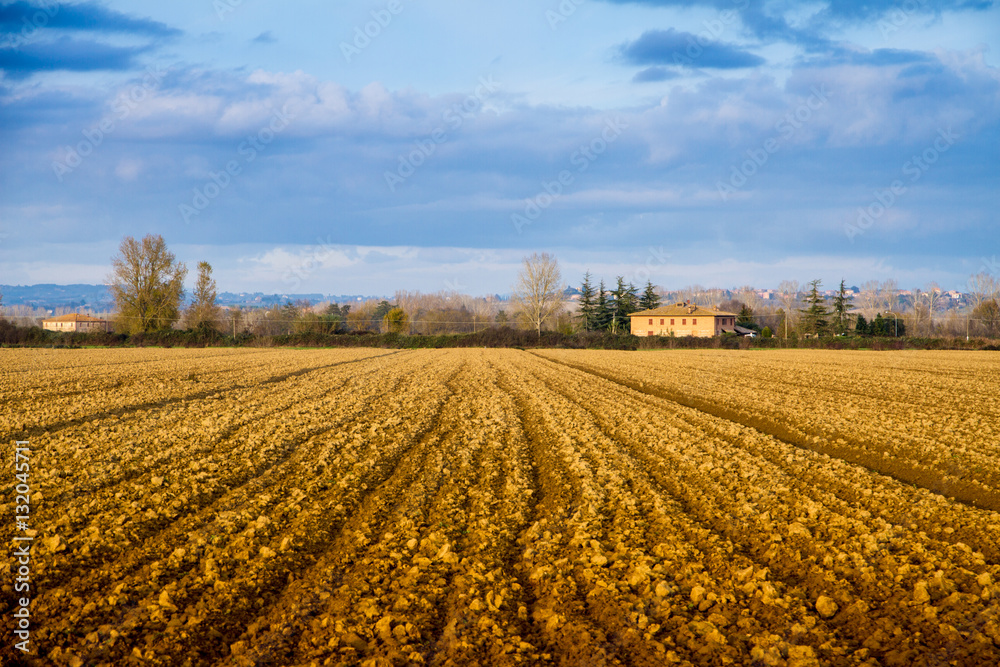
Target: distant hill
(94, 297)
(98, 297)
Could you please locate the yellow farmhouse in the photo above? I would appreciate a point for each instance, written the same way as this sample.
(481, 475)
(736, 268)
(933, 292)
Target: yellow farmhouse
(682, 319)
(76, 322)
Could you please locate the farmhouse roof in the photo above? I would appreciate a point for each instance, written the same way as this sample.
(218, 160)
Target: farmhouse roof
(74, 317)
(681, 310)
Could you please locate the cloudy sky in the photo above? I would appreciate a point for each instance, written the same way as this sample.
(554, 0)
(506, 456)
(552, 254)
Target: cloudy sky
(364, 147)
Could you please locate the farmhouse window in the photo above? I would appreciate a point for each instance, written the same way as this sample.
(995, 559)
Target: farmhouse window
(661, 321)
(649, 333)
(684, 321)
(671, 321)
(651, 322)
(694, 321)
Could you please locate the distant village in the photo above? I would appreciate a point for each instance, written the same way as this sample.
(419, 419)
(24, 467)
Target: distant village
(48, 300)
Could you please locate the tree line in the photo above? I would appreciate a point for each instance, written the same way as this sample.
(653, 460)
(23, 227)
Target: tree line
(604, 310)
(147, 284)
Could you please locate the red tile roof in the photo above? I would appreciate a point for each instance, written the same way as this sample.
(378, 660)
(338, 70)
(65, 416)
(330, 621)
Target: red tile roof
(74, 317)
(680, 310)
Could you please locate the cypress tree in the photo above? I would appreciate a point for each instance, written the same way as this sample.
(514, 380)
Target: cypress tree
(618, 297)
(587, 305)
(841, 304)
(814, 320)
(861, 326)
(602, 313)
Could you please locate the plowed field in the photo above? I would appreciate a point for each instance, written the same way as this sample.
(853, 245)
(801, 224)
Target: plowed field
(287, 507)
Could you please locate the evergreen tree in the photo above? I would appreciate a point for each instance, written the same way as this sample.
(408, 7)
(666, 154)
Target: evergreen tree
(861, 327)
(649, 299)
(587, 305)
(381, 310)
(814, 318)
(625, 303)
(336, 317)
(602, 313)
(878, 327)
(631, 304)
(887, 327)
(745, 317)
(841, 304)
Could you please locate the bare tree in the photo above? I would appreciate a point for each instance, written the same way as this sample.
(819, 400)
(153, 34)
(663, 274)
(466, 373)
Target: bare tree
(868, 298)
(538, 293)
(234, 320)
(696, 294)
(788, 294)
(749, 296)
(982, 287)
(147, 284)
(932, 299)
(919, 307)
(481, 309)
(888, 295)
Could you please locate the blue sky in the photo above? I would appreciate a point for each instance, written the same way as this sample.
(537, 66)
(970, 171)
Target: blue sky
(364, 147)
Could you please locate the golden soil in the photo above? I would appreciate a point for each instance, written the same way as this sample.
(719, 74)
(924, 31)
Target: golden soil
(313, 507)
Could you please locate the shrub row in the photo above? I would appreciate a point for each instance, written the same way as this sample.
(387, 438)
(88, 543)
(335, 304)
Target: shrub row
(14, 336)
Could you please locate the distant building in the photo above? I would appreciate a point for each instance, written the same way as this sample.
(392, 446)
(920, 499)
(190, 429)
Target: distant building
(76, 322)
(682, 319)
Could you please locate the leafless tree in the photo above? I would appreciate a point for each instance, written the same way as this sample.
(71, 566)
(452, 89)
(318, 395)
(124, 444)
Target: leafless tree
(868, 298)
(750, 297)
(982, 287)
(481, 309)
(537, 296)
(788, 294)
(888, 295)
(932, 299)
(918, 306)
(693, 293)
